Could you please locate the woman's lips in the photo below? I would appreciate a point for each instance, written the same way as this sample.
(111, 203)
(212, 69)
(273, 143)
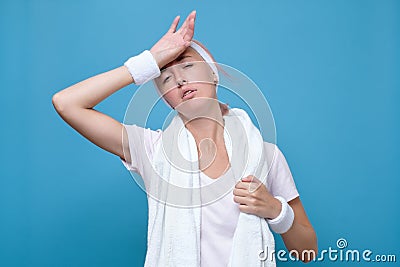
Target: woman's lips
(189, 94)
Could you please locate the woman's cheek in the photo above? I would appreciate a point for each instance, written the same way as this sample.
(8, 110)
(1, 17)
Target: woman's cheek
(173, 98)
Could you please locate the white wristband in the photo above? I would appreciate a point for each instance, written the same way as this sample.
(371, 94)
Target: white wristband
(143, 67)
(284, 221)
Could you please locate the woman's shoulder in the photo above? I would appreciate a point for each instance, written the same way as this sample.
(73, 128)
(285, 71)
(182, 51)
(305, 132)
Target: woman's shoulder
(280, 181)
(145, 134)
(274, 156)
(271, 151)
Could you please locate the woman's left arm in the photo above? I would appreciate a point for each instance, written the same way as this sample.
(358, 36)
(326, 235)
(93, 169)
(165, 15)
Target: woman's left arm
(300, 237)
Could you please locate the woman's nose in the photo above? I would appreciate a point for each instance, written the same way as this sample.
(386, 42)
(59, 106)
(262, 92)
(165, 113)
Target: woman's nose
(181, 82)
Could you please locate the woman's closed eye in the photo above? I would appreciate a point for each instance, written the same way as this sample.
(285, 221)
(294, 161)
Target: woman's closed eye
(187, 65)
(166, 79)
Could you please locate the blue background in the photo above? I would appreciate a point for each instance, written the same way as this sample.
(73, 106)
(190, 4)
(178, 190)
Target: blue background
(329, 69)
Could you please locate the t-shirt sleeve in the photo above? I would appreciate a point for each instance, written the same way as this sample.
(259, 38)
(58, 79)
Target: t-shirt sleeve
(141, 147)
(280, 180)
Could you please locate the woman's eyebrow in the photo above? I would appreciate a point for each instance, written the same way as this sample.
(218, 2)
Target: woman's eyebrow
(178, 59)
(182, 57)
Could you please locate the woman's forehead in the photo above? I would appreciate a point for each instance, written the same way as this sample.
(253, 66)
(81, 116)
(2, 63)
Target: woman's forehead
(189, 53)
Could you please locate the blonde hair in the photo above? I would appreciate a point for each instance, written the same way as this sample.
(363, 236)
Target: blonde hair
(224, 107)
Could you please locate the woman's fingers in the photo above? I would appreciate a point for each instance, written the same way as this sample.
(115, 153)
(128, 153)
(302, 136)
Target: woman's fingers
(246, 182)
(250, 178)
(180, 30)
(249, 183)
(242, 185)
(242, 200)
(183, 28)
(189, 31)
(174, 41)
(174, 24)
(240, 192)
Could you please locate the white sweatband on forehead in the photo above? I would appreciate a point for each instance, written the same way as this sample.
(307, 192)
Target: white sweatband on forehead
(284, 221)
(203, 53)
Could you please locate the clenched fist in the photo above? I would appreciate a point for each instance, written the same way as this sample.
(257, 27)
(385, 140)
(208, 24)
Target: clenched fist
(254, 198)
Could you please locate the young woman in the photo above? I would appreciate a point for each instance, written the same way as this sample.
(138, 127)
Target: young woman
(203, 116)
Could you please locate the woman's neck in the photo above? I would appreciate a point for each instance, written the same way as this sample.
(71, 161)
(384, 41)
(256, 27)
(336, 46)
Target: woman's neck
(209, 125)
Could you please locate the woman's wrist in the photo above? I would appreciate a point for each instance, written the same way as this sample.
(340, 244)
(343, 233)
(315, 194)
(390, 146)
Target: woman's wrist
(127, 74)
(284, 220)
(156, 58)
(274, 209)
(143, 67)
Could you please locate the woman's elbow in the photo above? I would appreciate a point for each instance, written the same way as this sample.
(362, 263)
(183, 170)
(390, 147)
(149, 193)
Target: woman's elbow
(59, 103)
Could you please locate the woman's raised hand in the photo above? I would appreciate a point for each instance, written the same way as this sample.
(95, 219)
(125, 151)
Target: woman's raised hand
(174, 42)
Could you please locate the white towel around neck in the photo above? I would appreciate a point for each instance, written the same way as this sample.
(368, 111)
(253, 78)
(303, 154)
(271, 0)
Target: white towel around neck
(174, 235)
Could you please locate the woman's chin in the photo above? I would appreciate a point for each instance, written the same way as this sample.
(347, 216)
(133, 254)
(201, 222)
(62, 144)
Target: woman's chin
(197, 107)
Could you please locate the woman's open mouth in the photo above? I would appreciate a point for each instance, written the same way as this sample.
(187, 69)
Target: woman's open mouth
(189, 93)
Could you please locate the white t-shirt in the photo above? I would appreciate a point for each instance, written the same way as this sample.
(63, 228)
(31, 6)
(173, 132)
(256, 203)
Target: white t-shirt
(219, 219)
